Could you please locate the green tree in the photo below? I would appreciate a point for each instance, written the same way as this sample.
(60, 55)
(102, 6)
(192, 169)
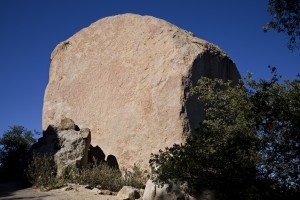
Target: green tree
(14, 144)
(248, 145)
(223, 155)
(276, 105)
(285, 18)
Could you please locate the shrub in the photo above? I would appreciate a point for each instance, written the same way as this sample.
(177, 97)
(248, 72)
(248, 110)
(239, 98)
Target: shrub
(137, 178)
(107, 177)
(96, 175)
(14, 144)
(222, 155)
(41, 173)
(248, 144)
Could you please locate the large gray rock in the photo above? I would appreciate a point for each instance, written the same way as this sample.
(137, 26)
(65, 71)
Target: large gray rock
(129, 193)
(68, 146)
(127, 78)
(173, 192)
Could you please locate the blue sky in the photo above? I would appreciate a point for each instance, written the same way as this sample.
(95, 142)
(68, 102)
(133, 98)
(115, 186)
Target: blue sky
(30, 29)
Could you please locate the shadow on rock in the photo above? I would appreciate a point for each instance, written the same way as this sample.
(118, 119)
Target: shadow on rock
(112, 162)
(95, 154)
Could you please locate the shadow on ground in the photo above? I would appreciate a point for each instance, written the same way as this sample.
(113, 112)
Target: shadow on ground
(10, 190)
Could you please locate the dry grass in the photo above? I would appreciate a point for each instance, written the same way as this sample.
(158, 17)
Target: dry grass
(41, 173)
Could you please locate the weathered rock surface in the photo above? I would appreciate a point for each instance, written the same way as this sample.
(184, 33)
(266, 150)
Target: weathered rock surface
(68, 146)
(127, 78)
(174, 192)
(129, 193)
(154, 192)
(106, 192)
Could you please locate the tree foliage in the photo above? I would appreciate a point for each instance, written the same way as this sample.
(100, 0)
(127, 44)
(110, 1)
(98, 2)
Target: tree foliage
(248, 145)
(13, 145)
(224, 151)
(285, 18)
(277, 119)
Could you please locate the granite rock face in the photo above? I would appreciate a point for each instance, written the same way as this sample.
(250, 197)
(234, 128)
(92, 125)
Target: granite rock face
(127, 78)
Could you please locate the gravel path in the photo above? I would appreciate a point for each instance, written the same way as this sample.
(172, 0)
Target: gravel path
(17, 191)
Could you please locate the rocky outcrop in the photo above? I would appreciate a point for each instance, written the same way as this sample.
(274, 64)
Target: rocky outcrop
(174, 192)
(127, 78)
(70, 147)
(67, 143)
(129, 193)
(165, 192)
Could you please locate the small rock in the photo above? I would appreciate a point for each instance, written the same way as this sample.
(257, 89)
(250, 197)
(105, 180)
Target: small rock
(85, 133)
(67, 124)
(68, 188)
(96, 190)
(129, 193)
(88, 187)
(98, 186)
(114, 193)
(106, 192)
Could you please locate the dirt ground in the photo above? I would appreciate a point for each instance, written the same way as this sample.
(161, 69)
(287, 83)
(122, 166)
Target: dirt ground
(18, 191)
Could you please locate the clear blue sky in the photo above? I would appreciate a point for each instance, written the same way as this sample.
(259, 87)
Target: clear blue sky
(30, 29)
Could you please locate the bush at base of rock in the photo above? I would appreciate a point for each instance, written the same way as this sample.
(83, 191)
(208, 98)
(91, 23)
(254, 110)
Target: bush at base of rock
(136, 178)
(41, 173)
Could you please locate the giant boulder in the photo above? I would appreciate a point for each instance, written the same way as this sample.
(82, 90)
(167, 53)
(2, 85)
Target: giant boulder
(127, 77)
